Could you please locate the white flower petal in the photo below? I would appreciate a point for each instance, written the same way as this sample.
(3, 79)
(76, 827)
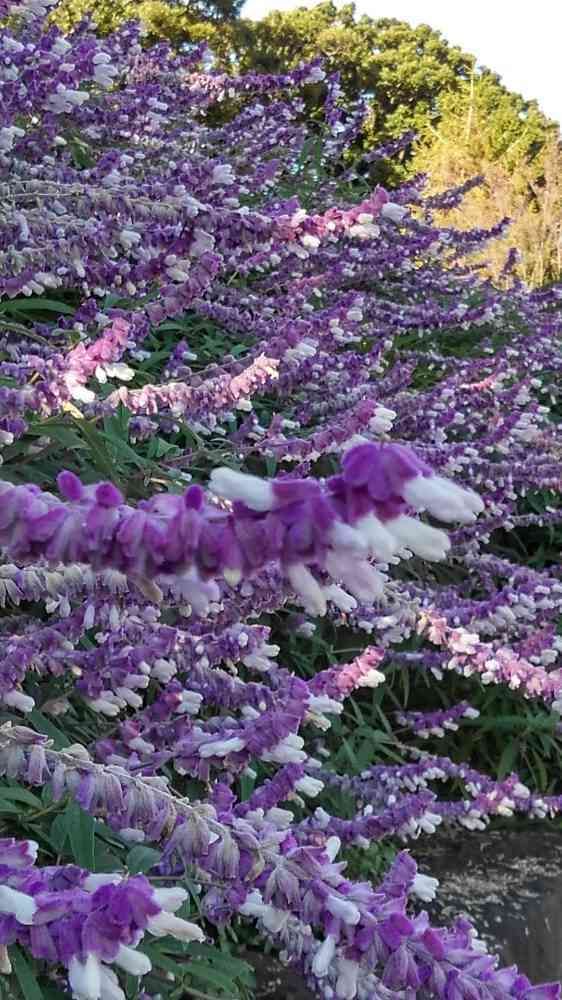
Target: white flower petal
(85, 978)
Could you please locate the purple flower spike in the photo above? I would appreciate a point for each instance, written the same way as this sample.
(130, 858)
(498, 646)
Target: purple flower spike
(107, 495)
(194, 498)
(293, 491)
(381, 469)
(210, 752)
(357, 464)
(70, 486)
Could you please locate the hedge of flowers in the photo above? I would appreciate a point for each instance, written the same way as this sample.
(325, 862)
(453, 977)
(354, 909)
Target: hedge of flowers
(240, 387)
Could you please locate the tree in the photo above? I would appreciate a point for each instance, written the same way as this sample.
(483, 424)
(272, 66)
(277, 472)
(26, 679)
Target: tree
(400, 69)
(466, 121)
(403, 71)
(171, 19)
(485, 129)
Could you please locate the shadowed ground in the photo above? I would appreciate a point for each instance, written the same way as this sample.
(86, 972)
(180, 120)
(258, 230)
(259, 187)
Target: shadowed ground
(509, 882)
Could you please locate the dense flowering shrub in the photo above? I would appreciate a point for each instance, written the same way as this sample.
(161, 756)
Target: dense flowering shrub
(313, 375)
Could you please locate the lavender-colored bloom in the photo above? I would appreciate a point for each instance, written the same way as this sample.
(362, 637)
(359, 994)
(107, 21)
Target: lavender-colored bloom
(295, 522)
(65, 915)
(151, 613)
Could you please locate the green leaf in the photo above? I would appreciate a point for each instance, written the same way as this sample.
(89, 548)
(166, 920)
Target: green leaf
(58, 834)
(270, 465)
(25, 975)
(205, 973)
(141, 859)
(45, 726)
(9, 809)
(507, 760)
(161, 448)
(36, 305)
(247, 785)
(348, 751)
(365, 751)
(75, 827)
(222, 960)
(126, 451)
(160, 960)
(60, 433)
(81, 153)
(101, 458)
(81, 829)
(538, 763)
(102, 454)
(21, 795)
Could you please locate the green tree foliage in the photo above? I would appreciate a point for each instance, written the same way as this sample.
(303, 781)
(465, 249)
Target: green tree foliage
(171, 19)
(495, 122)
(402, 70)
(466, 120)
(485, 129)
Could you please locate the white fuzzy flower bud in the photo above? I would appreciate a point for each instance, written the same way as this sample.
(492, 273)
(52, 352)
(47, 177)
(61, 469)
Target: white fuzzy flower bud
(307, 588)
(344, 909)
(424, 887)
(132, 961)
(166, 923)
(18, 904)
(323, 957)
(420, 538)
(309, 786)
(220, 748)
(442, 498)
(18, 700)
(85, 978)
(256, 493)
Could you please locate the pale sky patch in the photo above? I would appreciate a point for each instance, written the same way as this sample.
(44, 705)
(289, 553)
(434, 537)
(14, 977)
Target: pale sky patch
(519, 40)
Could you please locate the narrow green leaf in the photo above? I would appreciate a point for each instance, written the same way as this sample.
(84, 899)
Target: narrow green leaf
(205, 973)
(45, 726)
(247, 785)
(222, 960)
(347, 750)
(507, 759)
(21, 795)
(36, 305)
(9, 809)
(141, 859)
(59, 433)
(58, 834)
(78, 829)
(25, 975)
(162, 961)
(81, 833)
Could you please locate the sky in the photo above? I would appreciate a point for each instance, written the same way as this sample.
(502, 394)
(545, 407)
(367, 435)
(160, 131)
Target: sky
(519, 39)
